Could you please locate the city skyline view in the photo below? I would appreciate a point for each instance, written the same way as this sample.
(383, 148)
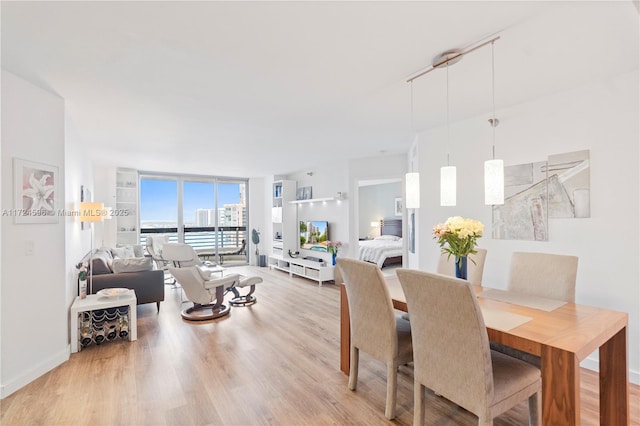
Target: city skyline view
(159, 200)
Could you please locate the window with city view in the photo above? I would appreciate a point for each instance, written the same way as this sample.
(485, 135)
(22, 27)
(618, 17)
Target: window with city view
(208, 214)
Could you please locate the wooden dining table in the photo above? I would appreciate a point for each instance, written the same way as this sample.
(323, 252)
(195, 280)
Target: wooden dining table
(561, 338)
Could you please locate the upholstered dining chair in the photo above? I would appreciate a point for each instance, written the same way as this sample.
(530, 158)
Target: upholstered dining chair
(375, 328)
(452, 355)
(475, 265)
(540, 274)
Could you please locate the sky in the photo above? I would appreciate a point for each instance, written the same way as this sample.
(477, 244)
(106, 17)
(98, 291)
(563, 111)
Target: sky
(159, 199)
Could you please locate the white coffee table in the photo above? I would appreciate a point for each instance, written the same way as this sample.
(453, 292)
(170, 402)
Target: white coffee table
(95, 302)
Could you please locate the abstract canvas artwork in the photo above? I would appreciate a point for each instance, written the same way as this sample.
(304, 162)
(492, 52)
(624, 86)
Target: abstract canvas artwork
(35, 192)
(523, 216)
(569, 185)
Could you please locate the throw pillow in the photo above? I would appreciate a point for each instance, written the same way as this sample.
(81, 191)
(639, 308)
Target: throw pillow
(134, 264)
(138, 249)
(123, 252)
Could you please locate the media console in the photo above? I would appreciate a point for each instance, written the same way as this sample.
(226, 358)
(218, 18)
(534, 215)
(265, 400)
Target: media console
(310, 269)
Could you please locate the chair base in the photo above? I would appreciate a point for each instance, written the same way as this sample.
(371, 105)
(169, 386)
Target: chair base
(243, 300)
(199, 312)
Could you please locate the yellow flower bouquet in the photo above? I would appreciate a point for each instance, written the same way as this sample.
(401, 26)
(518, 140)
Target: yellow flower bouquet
(458, 236)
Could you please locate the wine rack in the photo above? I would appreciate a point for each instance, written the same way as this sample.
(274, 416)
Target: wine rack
(96, 319)
(103, 325)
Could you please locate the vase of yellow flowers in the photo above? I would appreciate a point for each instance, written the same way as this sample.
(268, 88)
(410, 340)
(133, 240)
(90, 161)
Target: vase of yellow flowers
(458, 237)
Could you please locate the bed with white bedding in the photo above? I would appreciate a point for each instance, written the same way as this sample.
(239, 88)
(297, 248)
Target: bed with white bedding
(385, 249)
(380, 249)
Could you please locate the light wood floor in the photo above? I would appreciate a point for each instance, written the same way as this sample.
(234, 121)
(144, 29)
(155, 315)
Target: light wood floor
(275, 363)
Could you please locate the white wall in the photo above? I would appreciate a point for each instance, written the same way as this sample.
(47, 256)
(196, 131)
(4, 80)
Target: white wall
(376, 202)
(78, 172)
(601, 117)
(34, 325)
(326, 181)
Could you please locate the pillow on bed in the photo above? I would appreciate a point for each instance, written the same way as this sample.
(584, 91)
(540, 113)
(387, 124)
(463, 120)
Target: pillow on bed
(388, 237)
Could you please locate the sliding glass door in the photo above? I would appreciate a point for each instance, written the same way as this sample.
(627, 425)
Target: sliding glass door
(210, 215)
(159, 212)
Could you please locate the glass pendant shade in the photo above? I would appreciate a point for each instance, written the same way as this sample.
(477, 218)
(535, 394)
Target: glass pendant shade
(448, 186)
(412, 196)
(493, 182)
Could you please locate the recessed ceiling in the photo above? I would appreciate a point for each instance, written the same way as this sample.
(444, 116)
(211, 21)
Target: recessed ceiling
(258, 88)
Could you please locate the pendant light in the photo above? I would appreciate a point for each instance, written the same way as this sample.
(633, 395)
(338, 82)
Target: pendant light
(493, 169)
(448, 173)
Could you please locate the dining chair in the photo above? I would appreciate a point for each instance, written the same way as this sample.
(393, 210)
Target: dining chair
(375, 328)
(475, 265)
(452, 356)
(544, 275)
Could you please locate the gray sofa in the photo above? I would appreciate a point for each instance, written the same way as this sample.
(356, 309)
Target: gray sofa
(136, 273)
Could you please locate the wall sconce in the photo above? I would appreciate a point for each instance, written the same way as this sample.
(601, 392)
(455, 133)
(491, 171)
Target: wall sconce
(412, 188)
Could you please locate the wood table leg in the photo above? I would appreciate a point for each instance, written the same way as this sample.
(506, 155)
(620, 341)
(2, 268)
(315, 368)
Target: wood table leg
(614, 383)
(560, 387)
(345, 331)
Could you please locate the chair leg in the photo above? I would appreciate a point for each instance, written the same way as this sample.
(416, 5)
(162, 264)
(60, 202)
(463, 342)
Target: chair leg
(418, 403)
(485, 422)
(392, 389)
(535, 408)
(353, 372)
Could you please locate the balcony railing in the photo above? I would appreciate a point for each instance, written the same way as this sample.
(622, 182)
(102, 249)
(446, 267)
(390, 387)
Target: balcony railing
(203, 238)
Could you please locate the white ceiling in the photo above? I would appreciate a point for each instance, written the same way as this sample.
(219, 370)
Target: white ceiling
(258, 88)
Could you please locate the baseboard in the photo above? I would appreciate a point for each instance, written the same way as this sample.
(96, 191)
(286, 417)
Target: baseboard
(593, 364)
(30, 375)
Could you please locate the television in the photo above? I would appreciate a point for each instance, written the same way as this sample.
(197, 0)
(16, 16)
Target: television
(314, 235)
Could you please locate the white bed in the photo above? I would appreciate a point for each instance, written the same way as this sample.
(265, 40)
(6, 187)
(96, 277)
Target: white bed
(380, 249)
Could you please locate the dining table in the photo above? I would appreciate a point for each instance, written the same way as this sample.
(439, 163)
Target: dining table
(561, 334)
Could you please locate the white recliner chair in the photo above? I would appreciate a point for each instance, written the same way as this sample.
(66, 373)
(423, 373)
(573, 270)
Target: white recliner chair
(183, 255)
(154, 245)
(206, 293)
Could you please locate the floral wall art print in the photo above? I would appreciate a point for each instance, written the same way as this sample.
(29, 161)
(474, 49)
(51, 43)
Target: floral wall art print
(35, 192)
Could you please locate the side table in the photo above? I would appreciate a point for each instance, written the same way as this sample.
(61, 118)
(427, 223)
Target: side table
(94, 302)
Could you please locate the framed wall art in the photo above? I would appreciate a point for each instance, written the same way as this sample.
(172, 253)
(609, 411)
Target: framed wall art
(398, 206)
(36, 194)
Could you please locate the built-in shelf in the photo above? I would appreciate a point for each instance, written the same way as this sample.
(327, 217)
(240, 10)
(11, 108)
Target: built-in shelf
(313, 200)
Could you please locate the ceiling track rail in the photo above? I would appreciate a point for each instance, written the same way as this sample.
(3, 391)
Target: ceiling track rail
(450, 59)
